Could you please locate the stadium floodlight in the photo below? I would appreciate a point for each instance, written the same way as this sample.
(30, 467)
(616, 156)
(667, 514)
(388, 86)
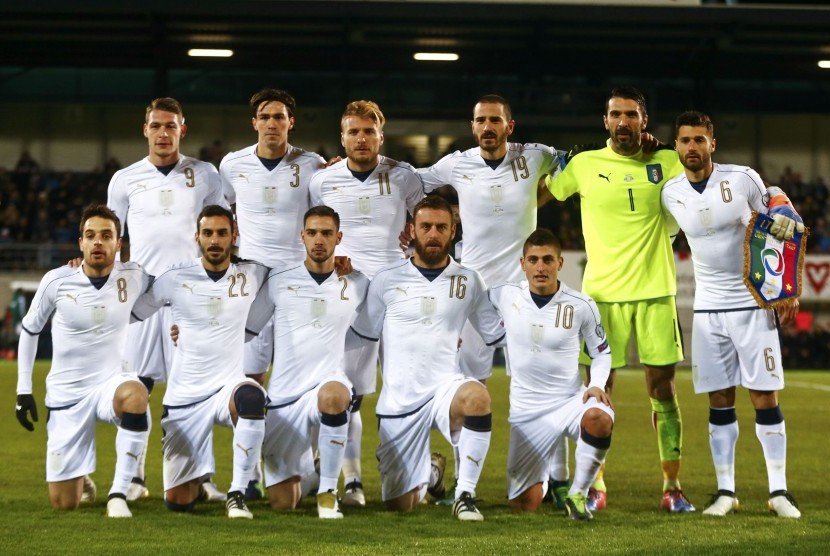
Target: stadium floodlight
(436, 56)
(824, 64)
(210, 52)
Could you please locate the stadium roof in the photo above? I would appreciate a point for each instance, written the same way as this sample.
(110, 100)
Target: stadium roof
(761, 55)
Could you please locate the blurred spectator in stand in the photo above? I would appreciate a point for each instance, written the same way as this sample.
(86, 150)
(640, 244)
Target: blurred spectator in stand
(26, 164)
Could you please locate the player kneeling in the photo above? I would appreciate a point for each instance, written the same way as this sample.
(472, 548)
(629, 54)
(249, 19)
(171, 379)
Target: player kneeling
(545, 322)
(89, 380)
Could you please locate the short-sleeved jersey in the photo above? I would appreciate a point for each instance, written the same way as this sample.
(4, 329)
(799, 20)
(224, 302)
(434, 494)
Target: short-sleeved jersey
(161, 211)
(421, 323)
(715, 224)
(372, 212)
(626, 238)
(498, 207)
(270, 204)
(310, 325)
(543, 345)
(89, 328)
(211, 319)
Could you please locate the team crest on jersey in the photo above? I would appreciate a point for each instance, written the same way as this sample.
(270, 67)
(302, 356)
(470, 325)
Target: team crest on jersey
(537, 333)
(428, 305)
(166, 200)
(269, 195)
(99, 316)
(655, 173)
(318, 310)
(364, 205)
(214, 310)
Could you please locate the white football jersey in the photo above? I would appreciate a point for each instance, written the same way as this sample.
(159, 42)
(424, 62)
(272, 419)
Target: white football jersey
(161, 211)
(270, 204)
(421, 323)
(372, 212)
(715, 224)
(310, 325)
(498, 207)
(89, 328)
(543, 345)
(211, 319)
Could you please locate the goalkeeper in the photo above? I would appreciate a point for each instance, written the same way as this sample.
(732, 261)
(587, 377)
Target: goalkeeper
(630, 271)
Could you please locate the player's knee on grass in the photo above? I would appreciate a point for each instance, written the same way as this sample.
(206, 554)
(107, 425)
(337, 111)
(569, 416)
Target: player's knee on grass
(66, 495)
(250, 402)
(597, 423)
(404, 503)
(333, 398)
(285, 495)
(528, 501)
(182, 498)
(174, 507)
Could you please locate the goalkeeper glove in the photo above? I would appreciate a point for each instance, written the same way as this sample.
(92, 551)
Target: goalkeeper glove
(785, 220)
(26, 403)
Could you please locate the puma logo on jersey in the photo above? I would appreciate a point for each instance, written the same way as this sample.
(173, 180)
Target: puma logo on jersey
(141, 186)
(606, 178)
(244, 449)
(402, 290)
(188, 287)
(476, 461)
(244, 177)
(73, 297)
(340, 443)
(518, 309)
(681, 203)
(134, 456)
(468, 178)
(295, 289)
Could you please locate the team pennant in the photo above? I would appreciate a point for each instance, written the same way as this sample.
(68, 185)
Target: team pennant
(772, 268)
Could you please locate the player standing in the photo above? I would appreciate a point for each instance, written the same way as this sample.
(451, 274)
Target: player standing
(267, 184)
(500, 186)
(420, 306)
(157, 199)
(372, 194)
(734, 342)
(630, 271)
(546, 322)
(90, 379)
(210, 298)
(309, 393)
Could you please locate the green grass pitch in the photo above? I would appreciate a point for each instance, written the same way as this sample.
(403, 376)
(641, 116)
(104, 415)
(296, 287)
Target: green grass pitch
(632, 524)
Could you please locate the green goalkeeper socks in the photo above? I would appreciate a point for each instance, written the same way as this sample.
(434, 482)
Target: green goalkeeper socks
(669, 427)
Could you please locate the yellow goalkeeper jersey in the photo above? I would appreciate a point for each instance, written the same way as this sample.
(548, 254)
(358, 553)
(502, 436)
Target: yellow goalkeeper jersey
(626, 238)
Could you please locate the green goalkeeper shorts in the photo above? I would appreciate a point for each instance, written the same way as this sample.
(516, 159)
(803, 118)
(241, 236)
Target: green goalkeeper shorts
(655, 327)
